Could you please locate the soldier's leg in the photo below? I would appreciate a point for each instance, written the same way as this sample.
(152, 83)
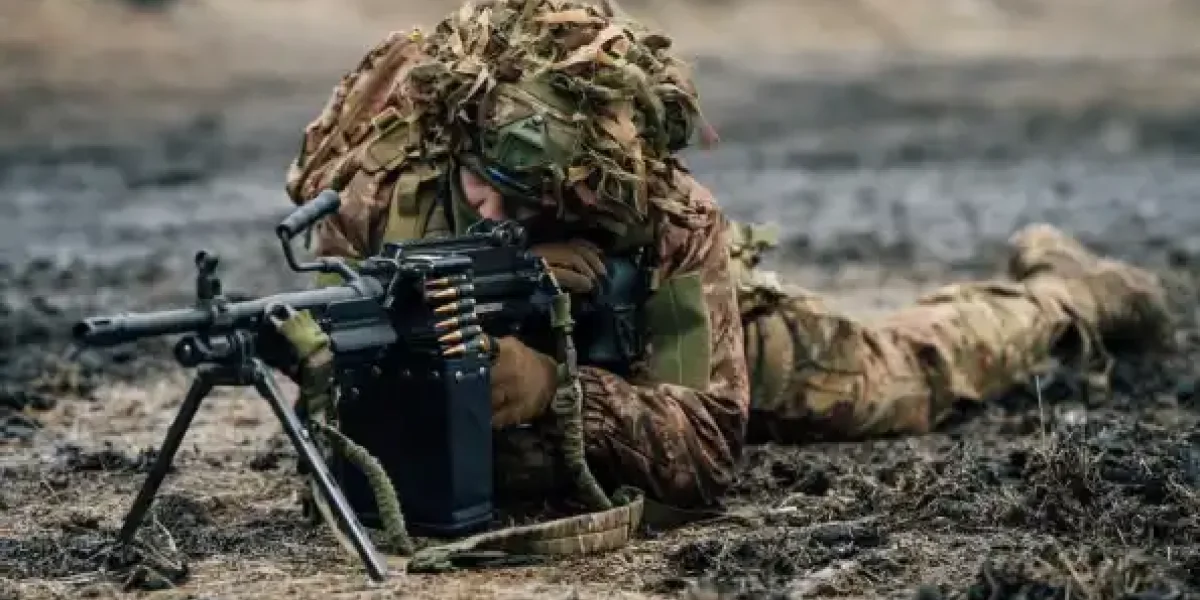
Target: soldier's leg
(817, 374)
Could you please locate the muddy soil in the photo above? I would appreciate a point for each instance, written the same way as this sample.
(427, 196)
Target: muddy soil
(888, 177)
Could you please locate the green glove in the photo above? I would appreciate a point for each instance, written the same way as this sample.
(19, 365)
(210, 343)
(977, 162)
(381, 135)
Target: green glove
(300, 329)
(314, 373)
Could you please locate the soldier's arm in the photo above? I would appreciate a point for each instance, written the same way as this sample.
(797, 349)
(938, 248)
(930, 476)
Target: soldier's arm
(679, 441)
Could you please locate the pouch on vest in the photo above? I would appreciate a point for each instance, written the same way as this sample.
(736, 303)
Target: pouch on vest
(610, 324)
(680, 333)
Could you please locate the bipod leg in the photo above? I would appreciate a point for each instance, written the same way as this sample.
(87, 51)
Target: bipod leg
(205, 380)
(264, 382)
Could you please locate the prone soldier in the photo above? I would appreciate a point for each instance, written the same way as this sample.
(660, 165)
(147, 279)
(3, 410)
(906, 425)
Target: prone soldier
(569, 118)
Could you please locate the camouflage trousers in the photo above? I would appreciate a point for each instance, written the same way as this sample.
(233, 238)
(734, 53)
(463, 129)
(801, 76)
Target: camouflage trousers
(817, 374)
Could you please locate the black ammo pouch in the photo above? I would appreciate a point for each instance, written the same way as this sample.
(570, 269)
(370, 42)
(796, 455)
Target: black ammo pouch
(610, 327)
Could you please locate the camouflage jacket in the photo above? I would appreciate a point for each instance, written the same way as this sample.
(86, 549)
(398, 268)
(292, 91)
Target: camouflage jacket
(678, 434)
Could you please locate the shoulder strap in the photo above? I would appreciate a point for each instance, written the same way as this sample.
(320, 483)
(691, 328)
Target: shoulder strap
(588, 533)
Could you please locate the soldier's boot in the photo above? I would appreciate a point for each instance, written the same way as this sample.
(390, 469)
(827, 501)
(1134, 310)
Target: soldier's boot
(1124, 305)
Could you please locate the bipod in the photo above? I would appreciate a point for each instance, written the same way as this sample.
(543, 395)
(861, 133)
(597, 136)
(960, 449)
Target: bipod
(238, 368)
(229, 360)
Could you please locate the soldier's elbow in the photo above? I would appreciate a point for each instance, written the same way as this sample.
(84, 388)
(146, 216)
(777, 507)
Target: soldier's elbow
(710, 474)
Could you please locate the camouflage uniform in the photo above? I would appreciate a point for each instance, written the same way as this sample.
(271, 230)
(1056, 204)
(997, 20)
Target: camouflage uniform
(676, 427)
(820, 375)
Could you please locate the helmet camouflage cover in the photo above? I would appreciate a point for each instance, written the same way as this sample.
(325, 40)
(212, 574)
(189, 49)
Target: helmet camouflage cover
(537, 96)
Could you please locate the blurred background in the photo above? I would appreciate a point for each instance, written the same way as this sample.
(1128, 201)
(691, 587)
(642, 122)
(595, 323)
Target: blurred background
(910, 137)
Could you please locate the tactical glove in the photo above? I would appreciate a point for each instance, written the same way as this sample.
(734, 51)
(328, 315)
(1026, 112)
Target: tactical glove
(523, 383)
(577, 265)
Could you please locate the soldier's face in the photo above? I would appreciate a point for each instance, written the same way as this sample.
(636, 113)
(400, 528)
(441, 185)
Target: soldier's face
(482, 197)
(489, 203)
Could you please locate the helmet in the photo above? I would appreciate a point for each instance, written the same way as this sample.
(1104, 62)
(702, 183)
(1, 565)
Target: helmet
(526, 138)
(541, 95)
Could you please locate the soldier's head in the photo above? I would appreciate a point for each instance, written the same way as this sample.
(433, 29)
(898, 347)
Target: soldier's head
(561, 111)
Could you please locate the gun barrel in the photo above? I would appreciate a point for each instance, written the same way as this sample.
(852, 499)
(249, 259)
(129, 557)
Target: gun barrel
(123, 328)
(117, 329)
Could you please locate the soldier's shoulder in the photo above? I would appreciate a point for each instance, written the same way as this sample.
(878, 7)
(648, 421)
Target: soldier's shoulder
(363, 124)
(689, 223)
(682, 201)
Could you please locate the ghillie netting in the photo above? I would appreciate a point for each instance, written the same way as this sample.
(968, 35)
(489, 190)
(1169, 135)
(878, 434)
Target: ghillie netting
(634, 103)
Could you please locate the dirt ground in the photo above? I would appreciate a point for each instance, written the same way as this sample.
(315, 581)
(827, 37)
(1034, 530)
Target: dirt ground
(896, 148)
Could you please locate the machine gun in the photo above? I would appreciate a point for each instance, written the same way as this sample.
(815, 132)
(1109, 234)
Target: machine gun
(409, 331)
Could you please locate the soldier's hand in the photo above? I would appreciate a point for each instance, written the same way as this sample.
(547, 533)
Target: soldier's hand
(523, 383)
(577, 265)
